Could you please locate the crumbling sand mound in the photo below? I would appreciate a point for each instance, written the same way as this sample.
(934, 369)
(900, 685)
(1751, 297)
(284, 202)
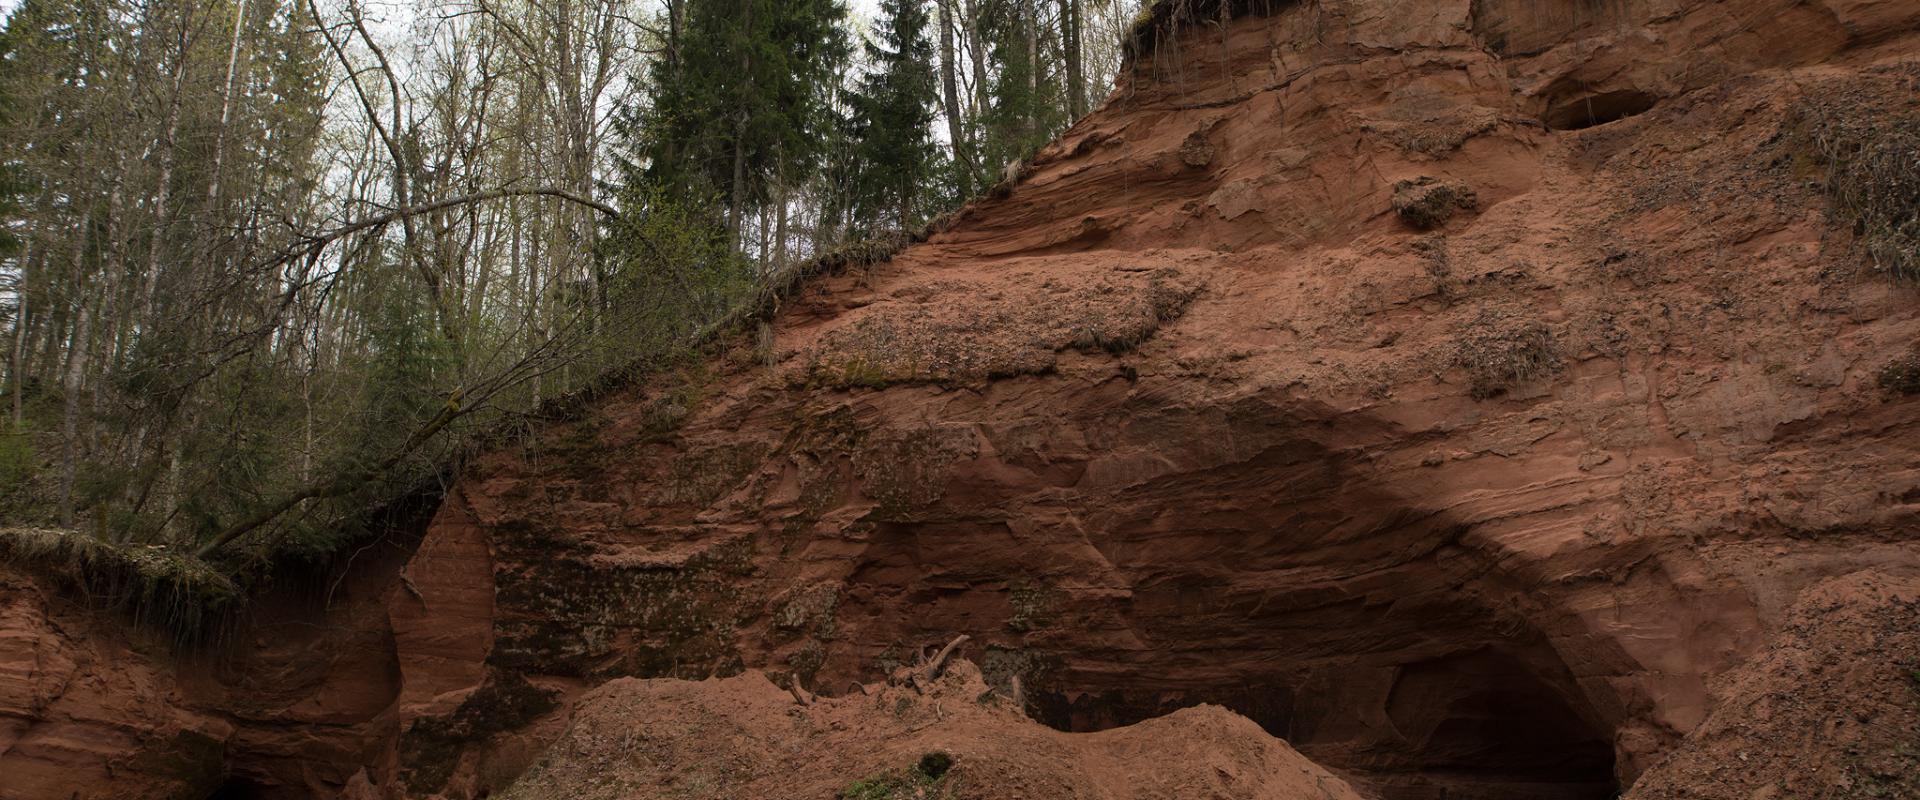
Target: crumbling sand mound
(1832, 710)
(744, 737)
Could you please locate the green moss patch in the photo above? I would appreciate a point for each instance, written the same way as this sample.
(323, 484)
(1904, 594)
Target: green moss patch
(925, 779)
(431, 746)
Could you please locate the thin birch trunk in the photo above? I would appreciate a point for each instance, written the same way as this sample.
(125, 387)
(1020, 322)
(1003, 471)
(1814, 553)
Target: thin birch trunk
(226, 104)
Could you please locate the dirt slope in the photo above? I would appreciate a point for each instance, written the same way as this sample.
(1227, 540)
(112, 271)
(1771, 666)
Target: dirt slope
(1832, 709)
(746, 737)
(1462, 391)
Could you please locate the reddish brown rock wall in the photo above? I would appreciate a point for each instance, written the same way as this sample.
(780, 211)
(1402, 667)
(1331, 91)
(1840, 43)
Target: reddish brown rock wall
(1191, 415)
(1484, 508)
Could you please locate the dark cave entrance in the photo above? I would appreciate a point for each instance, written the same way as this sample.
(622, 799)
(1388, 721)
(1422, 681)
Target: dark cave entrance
(1478, 724)
(1378, 637)
(1469, 726)
(1581, 110)
(1486, 726)
(236, 787)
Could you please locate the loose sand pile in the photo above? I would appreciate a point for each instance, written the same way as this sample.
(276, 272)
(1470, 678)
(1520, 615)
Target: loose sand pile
(744, 737)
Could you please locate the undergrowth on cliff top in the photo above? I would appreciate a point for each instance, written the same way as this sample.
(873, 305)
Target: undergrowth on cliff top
(1162, 20)
(1866, 132)
(162, 588)
(185, 596)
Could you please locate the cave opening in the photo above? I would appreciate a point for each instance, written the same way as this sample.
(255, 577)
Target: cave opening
(1584, 110)
(1379, 638)
(236, 787)
(1486, 725)
(1478, 724)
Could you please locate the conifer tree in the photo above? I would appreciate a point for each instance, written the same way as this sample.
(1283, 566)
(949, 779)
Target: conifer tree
(894, 109)
(743, 105)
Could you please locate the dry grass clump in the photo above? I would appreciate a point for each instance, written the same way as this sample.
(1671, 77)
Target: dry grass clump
(1427, 202)
(861, 253)
(1160, 21)
(1866, 132)
(1123, 326)
(1440, 134)
(1195, 150)
(1499, 355)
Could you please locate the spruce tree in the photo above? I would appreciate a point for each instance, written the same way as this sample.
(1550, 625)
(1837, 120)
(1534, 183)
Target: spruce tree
(894, 109)
(743, 105)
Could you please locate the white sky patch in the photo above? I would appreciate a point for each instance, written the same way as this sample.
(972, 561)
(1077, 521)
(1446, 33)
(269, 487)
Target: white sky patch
(863, 11)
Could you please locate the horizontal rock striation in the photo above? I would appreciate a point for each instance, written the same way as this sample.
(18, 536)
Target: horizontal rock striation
(1484, 491)
(1481, 504)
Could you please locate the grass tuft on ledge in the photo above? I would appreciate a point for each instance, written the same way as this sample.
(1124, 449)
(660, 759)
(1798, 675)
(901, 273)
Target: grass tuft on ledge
(167, 589)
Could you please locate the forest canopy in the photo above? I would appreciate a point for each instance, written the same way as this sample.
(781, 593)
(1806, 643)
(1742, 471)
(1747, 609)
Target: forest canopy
(269, 266)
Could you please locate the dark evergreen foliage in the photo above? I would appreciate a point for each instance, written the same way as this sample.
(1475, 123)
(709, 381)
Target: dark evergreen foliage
(746, 105)
(895, 159)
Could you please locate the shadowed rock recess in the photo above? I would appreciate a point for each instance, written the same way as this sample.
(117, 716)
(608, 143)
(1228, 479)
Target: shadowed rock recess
(1561, 485)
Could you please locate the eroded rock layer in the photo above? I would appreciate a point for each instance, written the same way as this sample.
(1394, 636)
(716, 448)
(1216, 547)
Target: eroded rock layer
(1459, 390)
(1455, 389)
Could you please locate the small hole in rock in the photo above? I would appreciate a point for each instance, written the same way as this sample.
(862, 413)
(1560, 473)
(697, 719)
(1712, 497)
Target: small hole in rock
(1587, 110)
(935, 764)
(238, 788)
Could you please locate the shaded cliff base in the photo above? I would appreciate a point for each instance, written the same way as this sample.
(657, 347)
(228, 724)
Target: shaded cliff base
(1831, 710)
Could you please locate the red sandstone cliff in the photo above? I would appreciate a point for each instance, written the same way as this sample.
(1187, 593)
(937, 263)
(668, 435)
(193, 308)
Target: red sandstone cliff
(1464, 392)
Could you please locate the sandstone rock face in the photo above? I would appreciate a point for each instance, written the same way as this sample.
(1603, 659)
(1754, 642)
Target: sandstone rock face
(86, 712)
(1191, 416)
(294, 698)
(1521, 506)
